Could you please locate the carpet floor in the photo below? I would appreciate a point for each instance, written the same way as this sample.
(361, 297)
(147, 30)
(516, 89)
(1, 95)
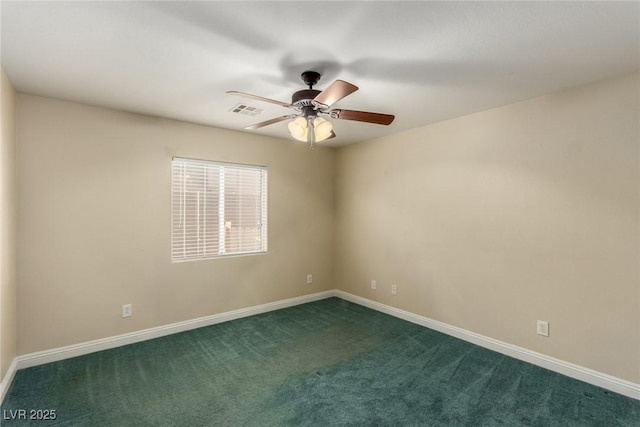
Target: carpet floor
(325, 363)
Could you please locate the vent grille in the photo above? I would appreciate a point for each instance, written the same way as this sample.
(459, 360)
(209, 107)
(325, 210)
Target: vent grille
(247, 110)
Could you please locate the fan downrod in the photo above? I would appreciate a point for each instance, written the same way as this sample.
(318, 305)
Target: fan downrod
(302, 98)
(310, 78)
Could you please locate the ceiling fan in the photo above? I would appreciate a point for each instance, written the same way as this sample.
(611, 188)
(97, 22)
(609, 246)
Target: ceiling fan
(309, 104)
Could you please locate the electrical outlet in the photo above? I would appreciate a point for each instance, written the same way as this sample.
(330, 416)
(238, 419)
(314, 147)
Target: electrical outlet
(309, 279)
(394, 289)
(127, 310)
(543, 328)
(374, 285)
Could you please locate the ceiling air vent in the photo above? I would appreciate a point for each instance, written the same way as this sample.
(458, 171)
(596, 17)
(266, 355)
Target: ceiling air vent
(246, 110)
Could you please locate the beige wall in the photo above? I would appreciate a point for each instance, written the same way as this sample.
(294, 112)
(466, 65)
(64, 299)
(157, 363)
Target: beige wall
(487, 222)
(94, 223)
(491, 221)
(8, 207)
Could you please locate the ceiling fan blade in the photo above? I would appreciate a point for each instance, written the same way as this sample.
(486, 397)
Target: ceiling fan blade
(363, 116)
(270, 122)
(335, 92)
(259, 98)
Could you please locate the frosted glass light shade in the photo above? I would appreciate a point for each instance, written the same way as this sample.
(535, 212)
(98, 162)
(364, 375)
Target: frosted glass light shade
(298, 129)
(322, 128)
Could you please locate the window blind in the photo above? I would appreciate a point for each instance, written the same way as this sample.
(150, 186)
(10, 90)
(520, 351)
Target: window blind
(217, 209)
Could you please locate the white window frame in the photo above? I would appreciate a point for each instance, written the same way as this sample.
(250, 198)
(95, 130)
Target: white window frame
(178, 207)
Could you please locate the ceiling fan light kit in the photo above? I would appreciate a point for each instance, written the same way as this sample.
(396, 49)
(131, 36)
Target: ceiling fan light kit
(310, 130)
(309, 104)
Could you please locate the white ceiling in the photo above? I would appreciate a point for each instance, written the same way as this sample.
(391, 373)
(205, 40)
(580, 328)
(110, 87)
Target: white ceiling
(422, 61)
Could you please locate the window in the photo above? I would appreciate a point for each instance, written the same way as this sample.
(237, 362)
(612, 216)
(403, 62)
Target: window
(217, 209)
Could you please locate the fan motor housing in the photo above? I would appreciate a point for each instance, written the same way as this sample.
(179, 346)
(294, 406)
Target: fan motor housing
(304, 95)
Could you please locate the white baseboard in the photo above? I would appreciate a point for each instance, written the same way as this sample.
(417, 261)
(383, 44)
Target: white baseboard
(8, 378)
(60, 353)
(617, 385)
(590, 376)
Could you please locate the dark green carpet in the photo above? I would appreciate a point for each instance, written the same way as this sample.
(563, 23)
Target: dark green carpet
(324, 363)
